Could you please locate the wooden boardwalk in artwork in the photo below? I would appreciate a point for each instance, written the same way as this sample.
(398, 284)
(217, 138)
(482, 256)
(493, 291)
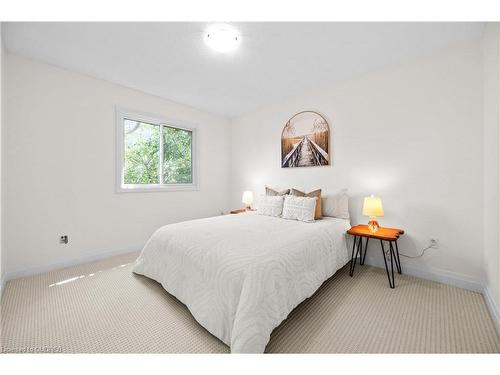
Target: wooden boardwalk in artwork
(305, 153)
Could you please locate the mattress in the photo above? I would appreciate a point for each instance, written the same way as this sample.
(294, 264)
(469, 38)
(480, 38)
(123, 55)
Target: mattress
(241, 275)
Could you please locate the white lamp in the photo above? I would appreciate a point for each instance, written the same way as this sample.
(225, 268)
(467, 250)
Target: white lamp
(247, 199)
(372, 207)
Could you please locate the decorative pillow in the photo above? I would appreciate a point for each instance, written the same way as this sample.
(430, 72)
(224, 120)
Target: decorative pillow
(312, 194)
(270, 206)
(336, 205)
(272, 192)
(299, 208)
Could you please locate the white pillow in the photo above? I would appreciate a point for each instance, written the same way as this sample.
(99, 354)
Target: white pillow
(299, 208)
(336, 205)
(270, 205)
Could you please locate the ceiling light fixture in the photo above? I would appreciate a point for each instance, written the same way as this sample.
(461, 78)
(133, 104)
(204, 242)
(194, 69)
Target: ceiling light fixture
(222, 38)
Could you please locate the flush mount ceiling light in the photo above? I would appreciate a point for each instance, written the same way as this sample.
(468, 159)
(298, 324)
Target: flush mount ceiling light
(222, 38)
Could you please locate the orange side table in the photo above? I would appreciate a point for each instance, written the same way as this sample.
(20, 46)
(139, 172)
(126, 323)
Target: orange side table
(241, 211)
(390, 235)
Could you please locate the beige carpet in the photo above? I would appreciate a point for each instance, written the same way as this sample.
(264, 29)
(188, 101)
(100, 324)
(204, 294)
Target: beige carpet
(103, 307)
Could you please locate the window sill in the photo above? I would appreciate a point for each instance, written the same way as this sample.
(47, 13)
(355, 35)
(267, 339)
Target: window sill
(156, 188)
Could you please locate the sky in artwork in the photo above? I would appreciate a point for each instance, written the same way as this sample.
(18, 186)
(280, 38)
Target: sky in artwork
(303, 123)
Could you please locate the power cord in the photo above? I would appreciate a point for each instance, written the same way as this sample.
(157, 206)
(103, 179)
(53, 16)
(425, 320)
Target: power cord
(409, 256)
(416, 256)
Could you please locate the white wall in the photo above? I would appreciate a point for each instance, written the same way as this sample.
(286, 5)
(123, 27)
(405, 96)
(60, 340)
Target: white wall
(411, 133)
(59, 169)
(491, 105)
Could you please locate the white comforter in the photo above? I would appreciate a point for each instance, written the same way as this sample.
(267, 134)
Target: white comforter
(241, 275)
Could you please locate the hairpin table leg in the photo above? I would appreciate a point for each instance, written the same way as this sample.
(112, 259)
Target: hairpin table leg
(359, 251)
(363, 257)
(353, 260)
(391, 251)
(398, 264)
(391, 281)
(396, 258)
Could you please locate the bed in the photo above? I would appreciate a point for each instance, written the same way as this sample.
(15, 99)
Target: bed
(241, 275)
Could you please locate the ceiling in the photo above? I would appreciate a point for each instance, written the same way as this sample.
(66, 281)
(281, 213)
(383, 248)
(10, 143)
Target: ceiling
(274, 61)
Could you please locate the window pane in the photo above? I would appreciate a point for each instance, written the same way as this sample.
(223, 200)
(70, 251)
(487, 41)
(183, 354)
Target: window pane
(177, 166)
(142, 153)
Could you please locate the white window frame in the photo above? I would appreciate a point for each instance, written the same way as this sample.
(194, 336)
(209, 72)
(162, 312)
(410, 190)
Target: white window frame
(121, 187)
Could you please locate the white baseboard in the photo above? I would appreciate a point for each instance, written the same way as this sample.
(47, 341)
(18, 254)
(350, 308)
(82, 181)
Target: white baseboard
(30, 271)
(492, 306)
(450, 278)
(434, 274)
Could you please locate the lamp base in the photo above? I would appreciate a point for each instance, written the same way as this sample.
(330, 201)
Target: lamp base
(373, 224)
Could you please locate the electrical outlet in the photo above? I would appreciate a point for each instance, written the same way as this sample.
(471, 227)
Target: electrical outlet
(434, 242)
(63, 240)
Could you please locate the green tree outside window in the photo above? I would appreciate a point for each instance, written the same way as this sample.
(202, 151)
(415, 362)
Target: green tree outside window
(142, 154)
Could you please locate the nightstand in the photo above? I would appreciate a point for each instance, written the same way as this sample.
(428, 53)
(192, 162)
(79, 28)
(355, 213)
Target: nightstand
(240, 211)
(390, 235)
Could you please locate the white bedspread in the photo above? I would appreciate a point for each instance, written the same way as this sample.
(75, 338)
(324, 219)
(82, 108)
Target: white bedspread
(241, 275)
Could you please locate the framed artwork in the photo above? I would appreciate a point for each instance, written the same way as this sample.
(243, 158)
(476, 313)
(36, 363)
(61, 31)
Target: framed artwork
(305, 141)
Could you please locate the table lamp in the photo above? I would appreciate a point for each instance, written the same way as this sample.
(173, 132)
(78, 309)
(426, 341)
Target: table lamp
(372, 207)
(247, 199)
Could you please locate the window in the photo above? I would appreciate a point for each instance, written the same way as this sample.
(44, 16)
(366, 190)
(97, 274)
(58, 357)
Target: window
(154, 154)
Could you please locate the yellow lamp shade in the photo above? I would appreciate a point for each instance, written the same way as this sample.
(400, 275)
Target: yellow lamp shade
(373, 206)
(247, 198)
